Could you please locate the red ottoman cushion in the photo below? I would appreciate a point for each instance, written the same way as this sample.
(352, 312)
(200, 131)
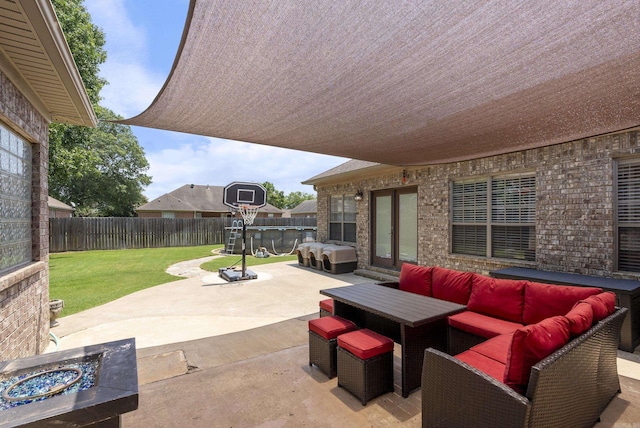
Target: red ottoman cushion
(327, 305)
(415, 279)
(365, 343)
(331, 327)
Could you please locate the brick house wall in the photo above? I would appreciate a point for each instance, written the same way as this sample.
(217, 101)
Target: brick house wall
(574, 207)
(24, 292)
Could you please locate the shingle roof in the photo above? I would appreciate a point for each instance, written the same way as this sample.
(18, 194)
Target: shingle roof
(194, 197)
(59, 205)
(308, 206)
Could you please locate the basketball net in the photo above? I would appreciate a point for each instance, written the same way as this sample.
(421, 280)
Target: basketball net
(248, 213)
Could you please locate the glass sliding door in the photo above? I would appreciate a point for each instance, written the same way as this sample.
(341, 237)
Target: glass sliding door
(383, 229)
(408, 227)
(395, 227)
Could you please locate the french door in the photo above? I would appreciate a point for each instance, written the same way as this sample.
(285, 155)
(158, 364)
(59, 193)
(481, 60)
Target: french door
(394, 230)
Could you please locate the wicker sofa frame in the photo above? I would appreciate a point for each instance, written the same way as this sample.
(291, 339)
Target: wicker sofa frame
(571, 387)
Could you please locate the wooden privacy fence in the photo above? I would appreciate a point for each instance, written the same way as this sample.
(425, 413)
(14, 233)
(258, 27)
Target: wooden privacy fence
(114, 233)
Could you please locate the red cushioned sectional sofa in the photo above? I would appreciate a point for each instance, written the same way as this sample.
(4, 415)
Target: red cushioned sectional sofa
(522, 354)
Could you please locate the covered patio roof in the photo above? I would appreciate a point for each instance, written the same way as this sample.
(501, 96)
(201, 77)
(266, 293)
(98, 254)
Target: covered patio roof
(404, 83)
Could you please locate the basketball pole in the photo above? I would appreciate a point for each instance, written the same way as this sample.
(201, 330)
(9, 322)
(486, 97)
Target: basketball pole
(244, 249)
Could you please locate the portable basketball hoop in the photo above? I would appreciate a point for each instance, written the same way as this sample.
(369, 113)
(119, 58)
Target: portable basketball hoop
(246, 198)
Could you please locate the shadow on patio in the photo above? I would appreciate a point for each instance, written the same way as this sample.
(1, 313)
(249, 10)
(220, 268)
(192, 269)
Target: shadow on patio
(261, 377)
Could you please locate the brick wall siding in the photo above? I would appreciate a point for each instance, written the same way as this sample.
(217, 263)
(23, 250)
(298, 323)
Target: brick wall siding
(24, 292)
(574, 208)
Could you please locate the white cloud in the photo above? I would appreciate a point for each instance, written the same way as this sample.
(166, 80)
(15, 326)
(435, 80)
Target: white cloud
(132, 86)
(219, 162)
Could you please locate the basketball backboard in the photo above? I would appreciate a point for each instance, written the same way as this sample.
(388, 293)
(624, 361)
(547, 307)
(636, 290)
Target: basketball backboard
(240, 193)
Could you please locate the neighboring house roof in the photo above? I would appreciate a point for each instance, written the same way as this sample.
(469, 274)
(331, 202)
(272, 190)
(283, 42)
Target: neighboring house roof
(434, 82)
(58, 205)
(309, 206)
(195, 198)
(35, 56)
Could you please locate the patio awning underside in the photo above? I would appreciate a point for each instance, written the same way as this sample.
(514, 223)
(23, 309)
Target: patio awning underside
(404, 83)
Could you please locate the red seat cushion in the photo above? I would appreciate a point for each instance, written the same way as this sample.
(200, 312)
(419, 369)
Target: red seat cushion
(497, 348)
(451, 285)
(531, 344)
(502, 298)
(580, 318)
(416, 279)
(547, 300)
(365, 343)
(331, 327)
(603, 305)
(483, 363)
(482, 325)
(327, 305)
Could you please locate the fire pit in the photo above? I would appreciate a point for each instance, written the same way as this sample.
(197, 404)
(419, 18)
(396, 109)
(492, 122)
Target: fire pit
(92, 385)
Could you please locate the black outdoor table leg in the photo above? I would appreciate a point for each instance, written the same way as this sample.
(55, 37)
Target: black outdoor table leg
(413, 342)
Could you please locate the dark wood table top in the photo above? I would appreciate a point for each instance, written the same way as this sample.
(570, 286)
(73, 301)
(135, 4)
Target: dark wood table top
(401, 306)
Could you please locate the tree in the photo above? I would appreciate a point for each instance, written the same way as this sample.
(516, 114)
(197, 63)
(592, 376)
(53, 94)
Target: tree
(274, 197)
(278, 199)
(101, 171)
(296, 198)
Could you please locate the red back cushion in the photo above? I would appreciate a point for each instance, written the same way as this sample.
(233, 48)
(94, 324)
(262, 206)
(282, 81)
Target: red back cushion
(501, 298)
(580, 318)
(416, 279)
(451, 285)
(531, 344)
(547, 300)
(603, 305)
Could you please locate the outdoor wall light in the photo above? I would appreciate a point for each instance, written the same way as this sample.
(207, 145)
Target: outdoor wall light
(358, 196)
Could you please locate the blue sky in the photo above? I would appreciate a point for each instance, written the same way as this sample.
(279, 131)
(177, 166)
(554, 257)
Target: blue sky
(142, 38)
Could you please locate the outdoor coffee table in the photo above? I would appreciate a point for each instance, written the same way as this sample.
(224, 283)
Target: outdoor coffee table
(415, 322)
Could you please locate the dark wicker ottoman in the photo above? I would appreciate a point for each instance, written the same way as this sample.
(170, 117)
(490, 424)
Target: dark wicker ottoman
(326, 307)
(365, 364)
(322, 341)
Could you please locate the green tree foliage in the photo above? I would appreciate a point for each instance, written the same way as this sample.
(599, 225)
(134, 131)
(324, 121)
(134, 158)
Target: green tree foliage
(101, 171)
(86, 43)
(278, 199)
(296, 198)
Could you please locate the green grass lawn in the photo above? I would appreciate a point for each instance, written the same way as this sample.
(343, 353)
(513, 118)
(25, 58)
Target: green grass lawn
(85, 279)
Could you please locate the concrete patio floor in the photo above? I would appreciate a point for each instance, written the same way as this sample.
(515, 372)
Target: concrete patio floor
(218, 354)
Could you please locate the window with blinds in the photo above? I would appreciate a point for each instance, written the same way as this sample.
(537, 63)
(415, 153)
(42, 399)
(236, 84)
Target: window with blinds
(495, 217)
(469, 218)
(342, 218)
(628, 224)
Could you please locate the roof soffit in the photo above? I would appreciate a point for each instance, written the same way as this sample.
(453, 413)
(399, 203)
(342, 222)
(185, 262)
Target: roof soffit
(35, 56)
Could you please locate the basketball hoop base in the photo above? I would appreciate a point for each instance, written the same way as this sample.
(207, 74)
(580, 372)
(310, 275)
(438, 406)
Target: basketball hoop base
(231, 274)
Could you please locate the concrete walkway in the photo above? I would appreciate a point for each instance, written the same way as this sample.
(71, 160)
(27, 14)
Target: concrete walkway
(202, 305)
(217, 354)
